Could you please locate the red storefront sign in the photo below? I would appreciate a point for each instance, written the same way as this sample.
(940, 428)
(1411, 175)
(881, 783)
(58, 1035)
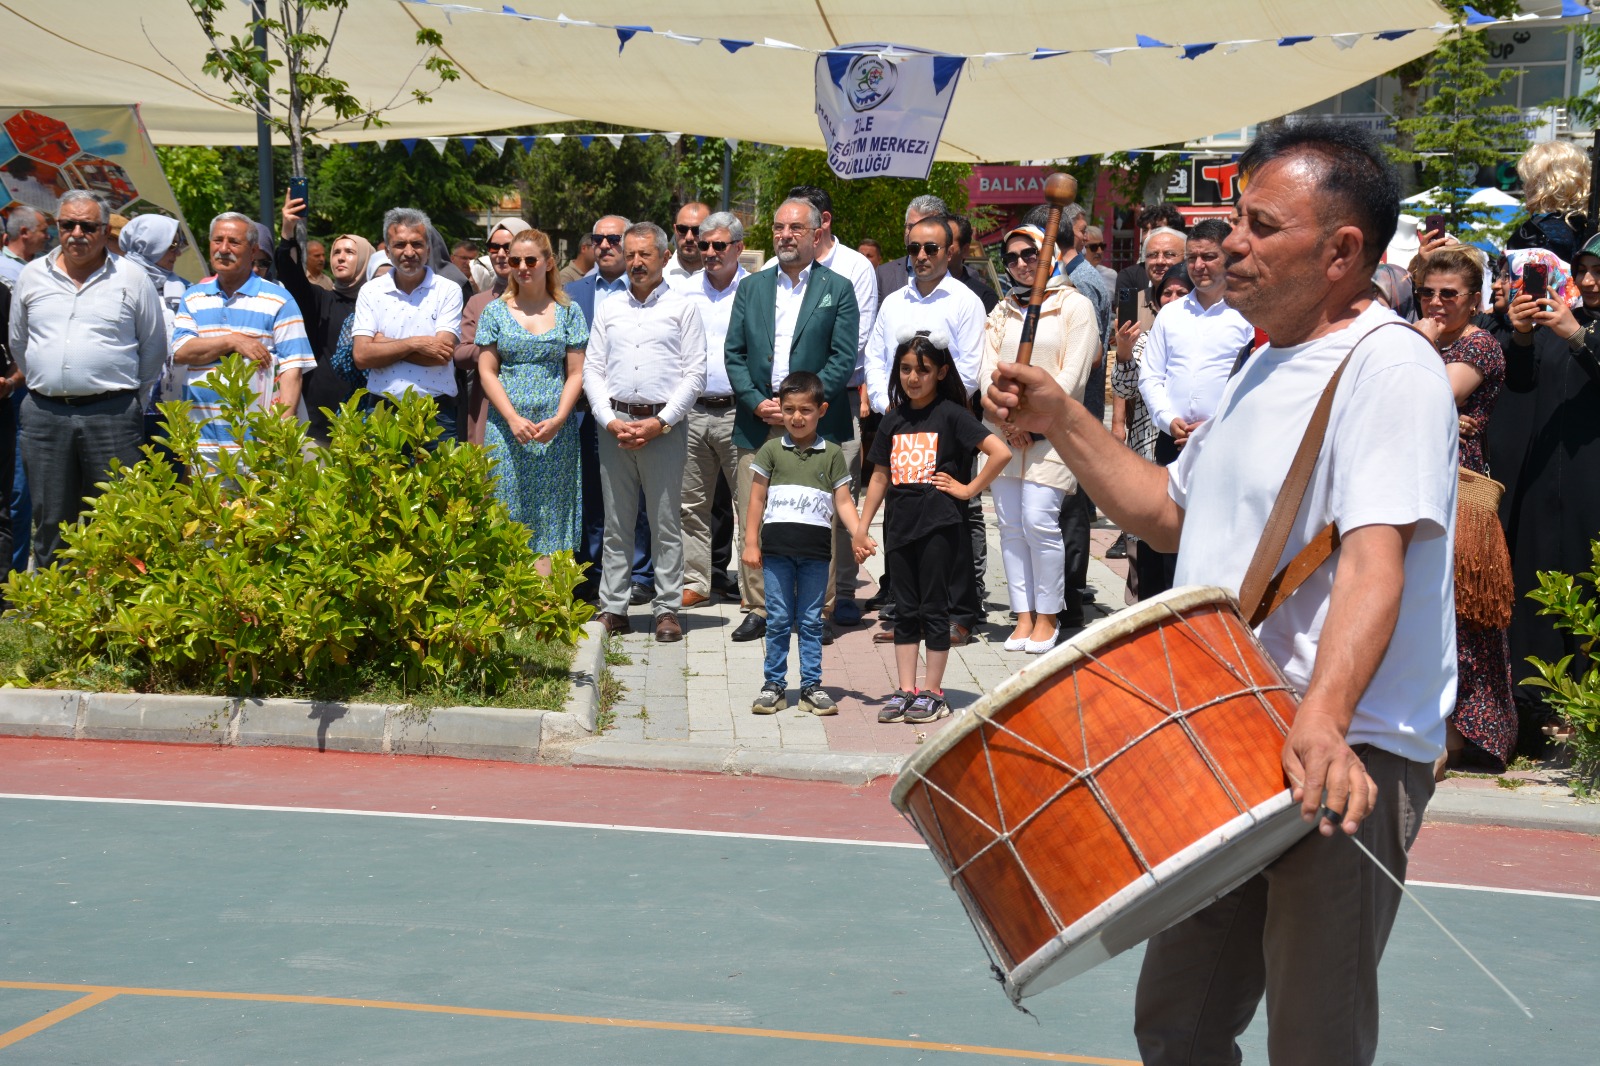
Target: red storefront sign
(1007, 185)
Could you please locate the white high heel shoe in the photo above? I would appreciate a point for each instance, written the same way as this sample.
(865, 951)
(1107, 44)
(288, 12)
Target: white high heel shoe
(1039, 647)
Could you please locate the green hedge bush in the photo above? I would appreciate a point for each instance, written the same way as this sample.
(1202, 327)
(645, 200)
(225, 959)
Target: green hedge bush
(1574, 693)
(290, 567)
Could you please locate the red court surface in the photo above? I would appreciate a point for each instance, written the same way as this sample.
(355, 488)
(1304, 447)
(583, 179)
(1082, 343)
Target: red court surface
(1483, 856)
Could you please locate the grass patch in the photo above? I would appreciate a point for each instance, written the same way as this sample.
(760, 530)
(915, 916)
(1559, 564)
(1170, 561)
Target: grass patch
(543, 677)
(611, 691)
(1512, 783)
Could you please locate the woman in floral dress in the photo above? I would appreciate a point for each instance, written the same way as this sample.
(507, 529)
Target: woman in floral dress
(530, 363)
(1483, 727)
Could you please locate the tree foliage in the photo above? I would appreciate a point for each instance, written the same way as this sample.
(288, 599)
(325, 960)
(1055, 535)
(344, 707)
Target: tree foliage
(1584, 108)
(356, 183)
(1457, 131)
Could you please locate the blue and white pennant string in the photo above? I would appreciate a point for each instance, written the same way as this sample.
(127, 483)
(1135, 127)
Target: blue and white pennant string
(1570, 10)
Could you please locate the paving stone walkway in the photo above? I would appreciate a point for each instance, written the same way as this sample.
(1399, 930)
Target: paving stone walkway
(699, 690)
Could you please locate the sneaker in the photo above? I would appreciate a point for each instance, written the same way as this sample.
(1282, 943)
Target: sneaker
(769, 700)
(894, 708)
(818, 702)
(927, 707)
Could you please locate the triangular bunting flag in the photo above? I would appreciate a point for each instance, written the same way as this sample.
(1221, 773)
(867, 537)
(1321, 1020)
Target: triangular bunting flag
(839, 65)
(1104, 56)
(1047, 53)
(733, 143)
(734, 46)
(439, 144)
(382, 145)
(1474, 16)
(625, 34)
(1571, 9)
(1346, 41)
(555, 138)
(1286, 42)
(685, 38)
(527, 143)
(468, 144)
(1149, 42)
(507, 9)
(498, 144)
(1392, 35)
(699, 142)
(944, 69)
(586, 139)
(1191, 51)
(615, 139)
(410, 144)
(672, 138)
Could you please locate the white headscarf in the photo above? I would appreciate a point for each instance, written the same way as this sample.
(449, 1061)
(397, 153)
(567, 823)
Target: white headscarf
(145, 240)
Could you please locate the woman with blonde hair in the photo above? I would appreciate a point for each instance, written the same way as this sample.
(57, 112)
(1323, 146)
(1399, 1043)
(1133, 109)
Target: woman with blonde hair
(1555, 191)
(530, 362)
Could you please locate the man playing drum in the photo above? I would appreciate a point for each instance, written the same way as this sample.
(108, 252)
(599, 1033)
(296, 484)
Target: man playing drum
(1368, 639)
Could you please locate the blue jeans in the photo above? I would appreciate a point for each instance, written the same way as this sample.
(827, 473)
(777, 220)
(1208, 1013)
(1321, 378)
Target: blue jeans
(795, 591)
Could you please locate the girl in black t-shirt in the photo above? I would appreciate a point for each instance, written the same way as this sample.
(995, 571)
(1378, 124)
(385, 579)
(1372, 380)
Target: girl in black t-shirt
(926, 441)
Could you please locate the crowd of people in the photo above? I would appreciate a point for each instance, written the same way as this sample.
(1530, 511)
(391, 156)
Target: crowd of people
(636, 399)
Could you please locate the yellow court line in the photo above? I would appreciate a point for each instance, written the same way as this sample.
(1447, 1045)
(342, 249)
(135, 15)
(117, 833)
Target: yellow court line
(45, 1021)
(107, 991)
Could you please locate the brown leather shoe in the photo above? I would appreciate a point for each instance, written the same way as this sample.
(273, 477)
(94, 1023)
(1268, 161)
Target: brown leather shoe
(615, 624)
(959, 635)
(667, 628)
(691, 598)
(884, 635)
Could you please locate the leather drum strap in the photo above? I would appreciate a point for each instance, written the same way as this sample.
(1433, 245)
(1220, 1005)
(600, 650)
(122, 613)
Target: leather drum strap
(1262, 591)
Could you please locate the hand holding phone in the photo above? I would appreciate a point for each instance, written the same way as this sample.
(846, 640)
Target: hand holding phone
(1535, 281)
(1127, 306)
(1434, 224)
(299, 189)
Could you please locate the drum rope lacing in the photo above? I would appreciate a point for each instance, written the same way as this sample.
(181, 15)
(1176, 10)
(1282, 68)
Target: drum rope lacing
(1086, 775)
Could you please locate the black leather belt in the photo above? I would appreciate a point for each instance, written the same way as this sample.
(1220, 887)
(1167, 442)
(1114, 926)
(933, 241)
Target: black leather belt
(638, 410)
(84, 401)
(716, 403)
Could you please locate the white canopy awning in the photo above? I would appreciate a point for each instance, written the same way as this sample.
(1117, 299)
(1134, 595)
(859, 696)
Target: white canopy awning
(517, 72)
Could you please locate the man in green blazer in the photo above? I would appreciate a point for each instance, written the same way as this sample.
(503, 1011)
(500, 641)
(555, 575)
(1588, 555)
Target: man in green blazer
(796, 315)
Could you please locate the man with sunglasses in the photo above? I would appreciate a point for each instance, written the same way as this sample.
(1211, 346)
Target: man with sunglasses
(88, 334)
(605, 282)
(1094, 250)
(682, 267)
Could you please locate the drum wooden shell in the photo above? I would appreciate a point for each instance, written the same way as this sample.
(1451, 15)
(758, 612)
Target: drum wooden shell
(1125, 780)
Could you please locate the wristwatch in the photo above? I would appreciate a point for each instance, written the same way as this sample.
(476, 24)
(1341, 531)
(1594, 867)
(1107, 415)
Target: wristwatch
(666, 427)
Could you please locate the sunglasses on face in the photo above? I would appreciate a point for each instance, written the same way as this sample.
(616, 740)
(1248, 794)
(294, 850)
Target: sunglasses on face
(687, 231)
(927, 248)
(613, 239)
(67, 225)
(1030, 255)
(1098, 247)
(499, 249)
(720, 246)
(1447, 295)
(518, 260)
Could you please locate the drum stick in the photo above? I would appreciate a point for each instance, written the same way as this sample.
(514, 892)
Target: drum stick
(1338, 819)
(1059, 191)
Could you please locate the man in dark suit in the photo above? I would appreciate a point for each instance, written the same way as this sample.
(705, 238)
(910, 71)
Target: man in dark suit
(896, 273)
(608, 278)
(795, 315)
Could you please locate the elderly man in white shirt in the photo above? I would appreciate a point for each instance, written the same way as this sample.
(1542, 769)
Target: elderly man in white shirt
(645, 367)
(933, 301)
(406, 323)
(710, 426)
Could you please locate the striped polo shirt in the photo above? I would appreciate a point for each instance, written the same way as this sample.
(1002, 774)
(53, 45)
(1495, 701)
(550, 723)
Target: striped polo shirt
(261, 309)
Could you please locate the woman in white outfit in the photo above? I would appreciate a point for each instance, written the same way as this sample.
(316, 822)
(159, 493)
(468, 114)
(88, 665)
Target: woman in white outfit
(1029, 492)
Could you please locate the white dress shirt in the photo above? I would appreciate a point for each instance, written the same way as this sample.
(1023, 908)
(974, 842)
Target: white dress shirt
(433, 307)
(108, 335)
(951, 308)
(791, 294)
(679, 276)
(857, 270)
(649, 351)
(1187, 359)
(715, 309)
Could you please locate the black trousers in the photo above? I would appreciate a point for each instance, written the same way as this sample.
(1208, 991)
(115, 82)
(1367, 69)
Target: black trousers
(1152, 572)
(920, 578)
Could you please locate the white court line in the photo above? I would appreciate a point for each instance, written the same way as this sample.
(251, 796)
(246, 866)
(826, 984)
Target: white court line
(1506, 891)
(640, 829)
(470, 818)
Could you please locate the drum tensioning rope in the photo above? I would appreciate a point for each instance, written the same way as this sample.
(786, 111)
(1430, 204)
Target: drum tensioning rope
(1338, 820)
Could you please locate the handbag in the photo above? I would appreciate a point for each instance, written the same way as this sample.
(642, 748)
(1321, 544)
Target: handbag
(1485, 590)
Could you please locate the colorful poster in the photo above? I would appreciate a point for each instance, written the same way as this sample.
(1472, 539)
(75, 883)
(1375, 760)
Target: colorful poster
(45, 151)
(881, 113)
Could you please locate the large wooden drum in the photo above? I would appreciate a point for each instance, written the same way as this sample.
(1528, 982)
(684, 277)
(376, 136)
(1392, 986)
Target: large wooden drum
(1122, 782)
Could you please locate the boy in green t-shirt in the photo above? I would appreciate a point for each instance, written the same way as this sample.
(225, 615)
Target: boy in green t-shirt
(799, 483)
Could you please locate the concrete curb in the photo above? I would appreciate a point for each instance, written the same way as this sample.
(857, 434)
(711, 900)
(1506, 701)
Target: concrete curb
(843, 767)
(509, 734)
(1526, 807)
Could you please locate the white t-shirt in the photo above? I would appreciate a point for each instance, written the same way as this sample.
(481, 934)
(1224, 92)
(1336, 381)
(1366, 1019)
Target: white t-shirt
(1389, 458)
